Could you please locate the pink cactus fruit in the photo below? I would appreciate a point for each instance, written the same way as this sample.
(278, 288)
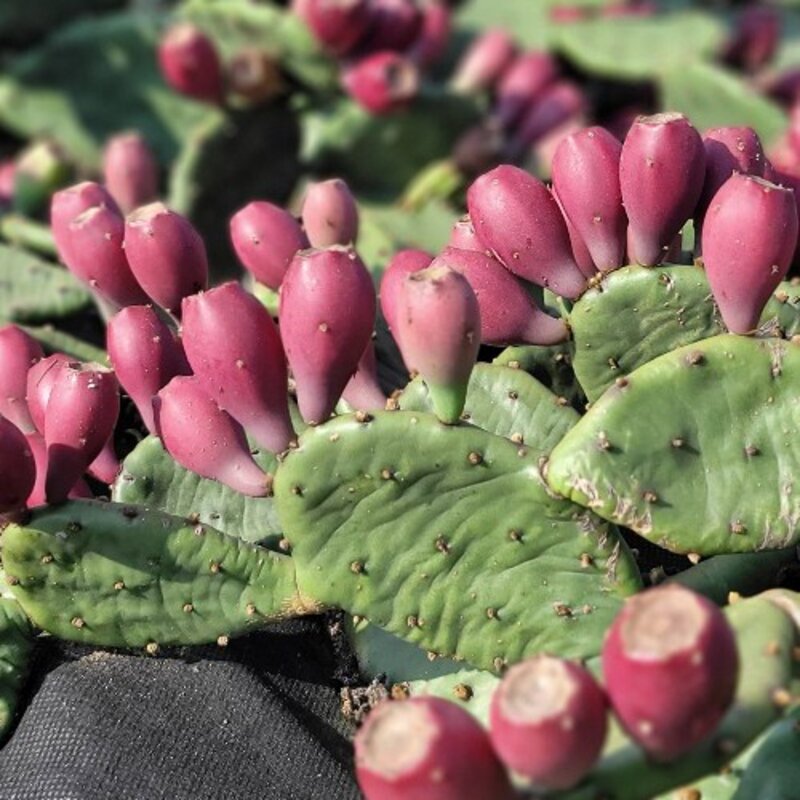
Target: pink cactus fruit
(425, 747)
(403, 263)
(522, 84)
(17, 466)
(662, 171)
(749, 239)
(166, 254)
(548, 721)
(394, 26)
(518, 219)
(130, 171)
(330, 214)
(37, 495)
(580, 252)
(586, 180)
(189, 63)
(439, 325)
(327, 314)
(363, 391)
(670, 666)
(79, 419)
(18, 353)
(382, 82)
(484, 61)
(755, 39)
(206, 440)
(8, 181)
(146, 356)
(336, 24)
(236, 354)
(508, 315)
(266, 239)
(463, 236)
(431, 42)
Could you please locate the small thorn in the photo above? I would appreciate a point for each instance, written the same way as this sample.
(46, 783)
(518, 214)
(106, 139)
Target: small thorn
(463, 692)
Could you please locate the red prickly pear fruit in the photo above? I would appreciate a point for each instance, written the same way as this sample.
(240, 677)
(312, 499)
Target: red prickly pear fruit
(463, 236)
(236, 354)
(484, 61)
(580, 252)
(434, 34)
(548, 721)
(508, 315)
(254, 75)
(363, 391)
(327, 314)
(17, 466)
(330, 214)
(670, 666)
(130, 171)
(394, 25)
(95, 255)
(382, 82)
(403, 263)
(190, 64)
(586, 181)
(519, 220)
(8, 180)
(145, 355)
(18, 353)
(662, 171)
(37, 494)
(166, 254)
(39, 383)
(266, 239)
(749, 239)
(755, 39)
(79, 419)
(206, 440)
(71, 202)
(336, 24)
(522, 84)
(426, 747)
(106, 466)
(439, 334)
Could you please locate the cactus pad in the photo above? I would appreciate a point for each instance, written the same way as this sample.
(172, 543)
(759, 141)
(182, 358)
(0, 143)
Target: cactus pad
(16, 642)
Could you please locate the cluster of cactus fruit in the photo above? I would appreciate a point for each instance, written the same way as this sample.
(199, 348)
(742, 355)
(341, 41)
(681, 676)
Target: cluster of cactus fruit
(472, 513)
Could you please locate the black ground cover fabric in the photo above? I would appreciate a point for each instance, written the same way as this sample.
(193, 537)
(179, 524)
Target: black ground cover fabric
(258, 719)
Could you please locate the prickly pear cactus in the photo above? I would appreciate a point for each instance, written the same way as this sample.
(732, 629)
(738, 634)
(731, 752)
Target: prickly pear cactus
(695, 450)
(16, 643)
(420, 526)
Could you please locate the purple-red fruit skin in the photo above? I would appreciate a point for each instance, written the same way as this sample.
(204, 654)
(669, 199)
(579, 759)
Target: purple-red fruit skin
(521, 84)
(393, 25)
(330, 214)
(434, 34)
(145, 355)
(749, 239)
(481, 66)
(518, 219)
(508, 315)
(586, 180)
(204, 439)
(236, 354)
(548, 721)
(266, 239)
(662, 171)
(18, 353)
(166, 254)
(463, 236)
(425, 747)
(327, 314)
(555, 107)
(190, 64)
(382, 82)
(130, 171)
(17, 467)
(79, 418)
(670, 667)
(336, 24)
(403, 263)
(580, 252)
(39, 384)
(363, 391)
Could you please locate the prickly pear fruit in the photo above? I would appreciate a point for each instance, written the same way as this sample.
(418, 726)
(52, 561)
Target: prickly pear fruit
(330, 214)
(363, 391)
(145, 355)
(439, 326)
(130, 171)
(71, 202)
(336, 24)
(755, 39)
(18, 353)
(548, 721)
(235, 351)
(749, 239)
(166, 254)
(393, 25)
(434, 34)
(79, 418)
(586, 180)
(37, 496)
(327, 313)
(382, 82)
(190, 64)
(266, 239)
(425, 747)
(521, 84)
(484, 61)
(580, 252)
(463, 236)
(518, 219)
(254, 75)
(661, 171)
(403, 263)
(670, 667)
(508, 315)
(203, 438)
(16, 466)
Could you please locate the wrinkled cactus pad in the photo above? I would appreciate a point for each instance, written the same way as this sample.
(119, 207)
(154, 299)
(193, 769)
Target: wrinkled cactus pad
(16, 642)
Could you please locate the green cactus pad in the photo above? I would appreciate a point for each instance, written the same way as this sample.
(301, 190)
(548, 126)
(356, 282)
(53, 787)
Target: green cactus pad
(784, 308)
(636, 314)
(16, 643)
(121, 576)
(53, 340)
(446, 536)
(472, 689)
(696, 451)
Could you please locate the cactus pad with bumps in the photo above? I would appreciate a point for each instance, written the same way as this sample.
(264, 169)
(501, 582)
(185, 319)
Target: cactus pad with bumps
(16, 642)
(446, 536)
(696, 450)
(122, 576)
